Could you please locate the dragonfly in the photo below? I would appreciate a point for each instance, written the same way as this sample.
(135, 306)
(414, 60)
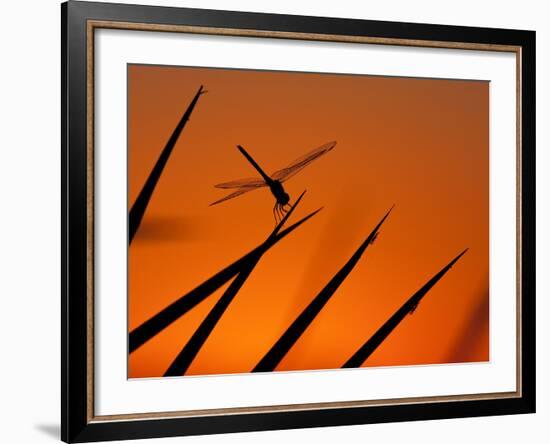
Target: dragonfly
(274, 181)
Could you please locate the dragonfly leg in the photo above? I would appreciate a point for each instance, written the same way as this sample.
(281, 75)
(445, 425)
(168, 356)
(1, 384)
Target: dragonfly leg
(279, 212)
(275, 213)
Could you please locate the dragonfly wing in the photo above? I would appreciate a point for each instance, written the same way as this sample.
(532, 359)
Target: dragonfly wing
(253, 182)
(302, 162)
(233, 194)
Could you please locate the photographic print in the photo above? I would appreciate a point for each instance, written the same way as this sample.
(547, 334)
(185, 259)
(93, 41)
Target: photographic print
(292, 221)
(276, 222)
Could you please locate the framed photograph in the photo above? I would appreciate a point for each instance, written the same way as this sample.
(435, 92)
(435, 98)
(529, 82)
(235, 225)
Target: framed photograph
(275, 221)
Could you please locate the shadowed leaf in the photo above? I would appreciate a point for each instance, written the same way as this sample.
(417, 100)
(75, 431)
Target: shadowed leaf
(408, 307)
(178, 308)
(188, 353)
(140, 205)
(274, 356)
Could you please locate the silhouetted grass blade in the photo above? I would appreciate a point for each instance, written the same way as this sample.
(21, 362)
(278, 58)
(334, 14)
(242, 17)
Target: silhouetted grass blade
(274, 356)
(372, 344)
(140, 205)
(178, 308)
(188, 353)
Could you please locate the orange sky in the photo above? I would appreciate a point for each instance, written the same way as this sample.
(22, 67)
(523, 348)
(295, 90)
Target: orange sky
(419, 143)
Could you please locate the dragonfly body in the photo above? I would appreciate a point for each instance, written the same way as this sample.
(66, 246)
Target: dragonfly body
(282, 199)
(279, 192)
(273, 181)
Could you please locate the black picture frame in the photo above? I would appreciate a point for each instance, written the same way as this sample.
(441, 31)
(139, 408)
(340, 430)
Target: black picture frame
(77, 425)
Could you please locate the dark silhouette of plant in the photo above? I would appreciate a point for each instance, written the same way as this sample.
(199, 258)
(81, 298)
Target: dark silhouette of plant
(188, 353)
(140, 205)
(178, 308)
(274, 356)
(361, 355)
